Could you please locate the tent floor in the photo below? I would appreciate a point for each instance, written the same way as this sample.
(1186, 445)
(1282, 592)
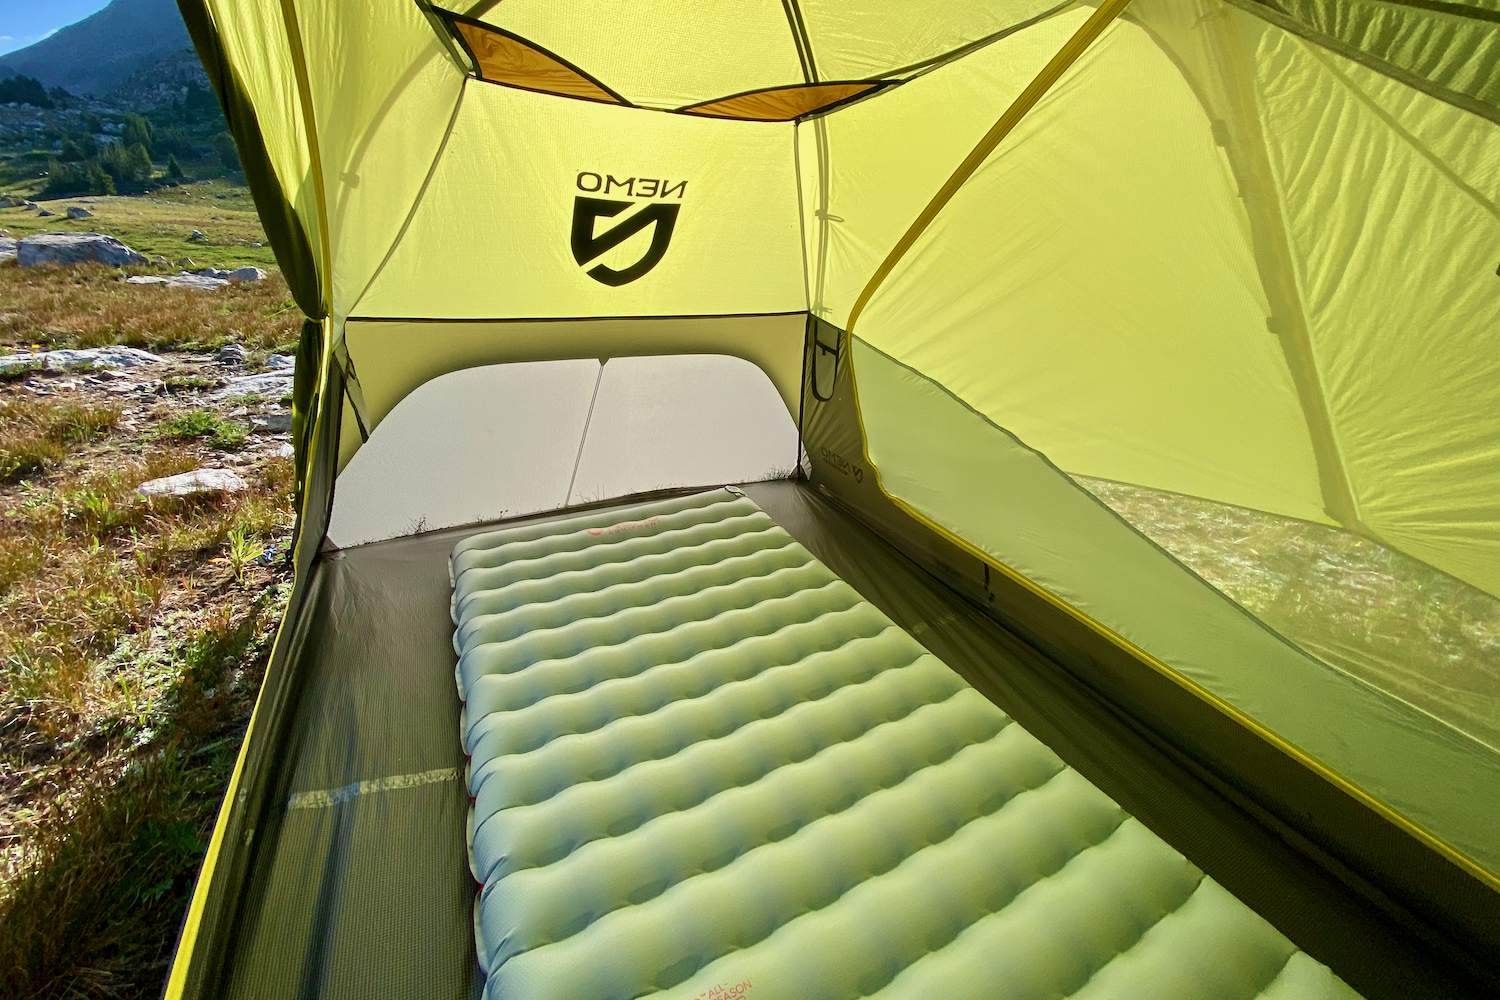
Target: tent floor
(363, 887)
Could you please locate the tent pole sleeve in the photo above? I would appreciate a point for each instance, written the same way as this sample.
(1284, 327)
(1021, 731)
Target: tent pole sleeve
(1035, 90)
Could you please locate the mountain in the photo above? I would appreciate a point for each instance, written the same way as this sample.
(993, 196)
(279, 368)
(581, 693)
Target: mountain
(101, 52)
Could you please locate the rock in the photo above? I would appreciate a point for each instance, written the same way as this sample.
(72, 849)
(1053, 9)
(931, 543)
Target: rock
(197, 237)
(243, 274)
(96, 357)
(199, 482)
(75, 248)
(268, 386)
(75, 212)
(276, 361)
(7, 248)
(232, 354)
(43, 213)
(183, 280)
(272, 423)
(285, 451)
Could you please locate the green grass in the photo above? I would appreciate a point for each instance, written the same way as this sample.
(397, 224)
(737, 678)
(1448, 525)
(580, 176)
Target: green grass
(159, 224)
(34, 433)
(86, 916)
(228, 435)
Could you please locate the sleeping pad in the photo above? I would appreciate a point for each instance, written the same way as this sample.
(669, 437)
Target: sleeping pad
(704, 768)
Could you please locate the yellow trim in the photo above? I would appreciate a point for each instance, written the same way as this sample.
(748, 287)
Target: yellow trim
(182, 958)
(1050, 74)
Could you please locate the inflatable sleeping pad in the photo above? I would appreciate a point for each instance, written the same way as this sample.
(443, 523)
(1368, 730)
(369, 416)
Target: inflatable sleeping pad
(703, 768)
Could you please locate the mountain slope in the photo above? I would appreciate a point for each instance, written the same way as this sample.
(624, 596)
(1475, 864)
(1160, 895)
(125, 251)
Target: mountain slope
(100, 52)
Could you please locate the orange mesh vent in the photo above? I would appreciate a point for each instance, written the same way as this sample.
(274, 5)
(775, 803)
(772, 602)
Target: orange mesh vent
(781, 104)
(503, 58)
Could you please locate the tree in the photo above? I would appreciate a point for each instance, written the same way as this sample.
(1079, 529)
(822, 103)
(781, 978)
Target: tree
(129, 168)
(137, 131)
(174, 169)
(227, 152)
(24, 90)
(66, 178)
(140, 162)
(70, 153)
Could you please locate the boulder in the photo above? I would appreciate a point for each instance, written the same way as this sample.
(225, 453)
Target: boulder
(280, 361)
(77, 212)
(43, 213)
(243, 274)
(278, 422)
(183, 280)
(232, 354)
(267, 386)
(197, 237)
(93, 357)
(75, 248)
(199, 482)
(7, 248)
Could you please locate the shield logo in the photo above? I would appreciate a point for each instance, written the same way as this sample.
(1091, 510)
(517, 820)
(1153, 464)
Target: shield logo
(587, 246)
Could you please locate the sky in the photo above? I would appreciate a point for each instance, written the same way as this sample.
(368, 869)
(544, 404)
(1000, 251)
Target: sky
(23, 22)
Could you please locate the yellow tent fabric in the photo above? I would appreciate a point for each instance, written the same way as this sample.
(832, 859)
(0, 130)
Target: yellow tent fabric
(1240, 250)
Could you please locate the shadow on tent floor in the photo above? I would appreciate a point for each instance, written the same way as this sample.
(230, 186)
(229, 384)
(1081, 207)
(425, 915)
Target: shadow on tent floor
(363, 890)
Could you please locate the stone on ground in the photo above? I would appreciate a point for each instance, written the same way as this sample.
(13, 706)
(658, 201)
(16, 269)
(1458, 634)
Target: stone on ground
(93, 357)
(199, 482)
(286, 361)
(183, 280)
(75, 248)
(7, 248)
(272, 423)
(271, 385)
(77, 212)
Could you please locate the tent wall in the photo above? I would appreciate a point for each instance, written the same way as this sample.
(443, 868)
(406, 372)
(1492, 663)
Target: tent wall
(1304, 744)
(490, 238)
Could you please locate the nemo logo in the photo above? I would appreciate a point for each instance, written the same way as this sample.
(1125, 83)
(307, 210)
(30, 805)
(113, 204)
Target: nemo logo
(589, 245)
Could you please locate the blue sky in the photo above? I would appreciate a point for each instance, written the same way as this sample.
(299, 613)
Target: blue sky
(25, 21)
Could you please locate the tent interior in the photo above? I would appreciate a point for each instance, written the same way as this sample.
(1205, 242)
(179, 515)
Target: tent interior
(1139, 359)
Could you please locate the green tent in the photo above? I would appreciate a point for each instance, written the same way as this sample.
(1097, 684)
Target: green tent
(938, 277)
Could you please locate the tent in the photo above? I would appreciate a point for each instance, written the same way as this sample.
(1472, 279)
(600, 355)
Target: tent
(924, 273)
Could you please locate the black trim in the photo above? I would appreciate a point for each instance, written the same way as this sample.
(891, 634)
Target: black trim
(454, 18)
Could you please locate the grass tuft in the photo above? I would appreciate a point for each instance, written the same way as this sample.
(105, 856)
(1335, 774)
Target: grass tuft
(228, 435)
(34, 432)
